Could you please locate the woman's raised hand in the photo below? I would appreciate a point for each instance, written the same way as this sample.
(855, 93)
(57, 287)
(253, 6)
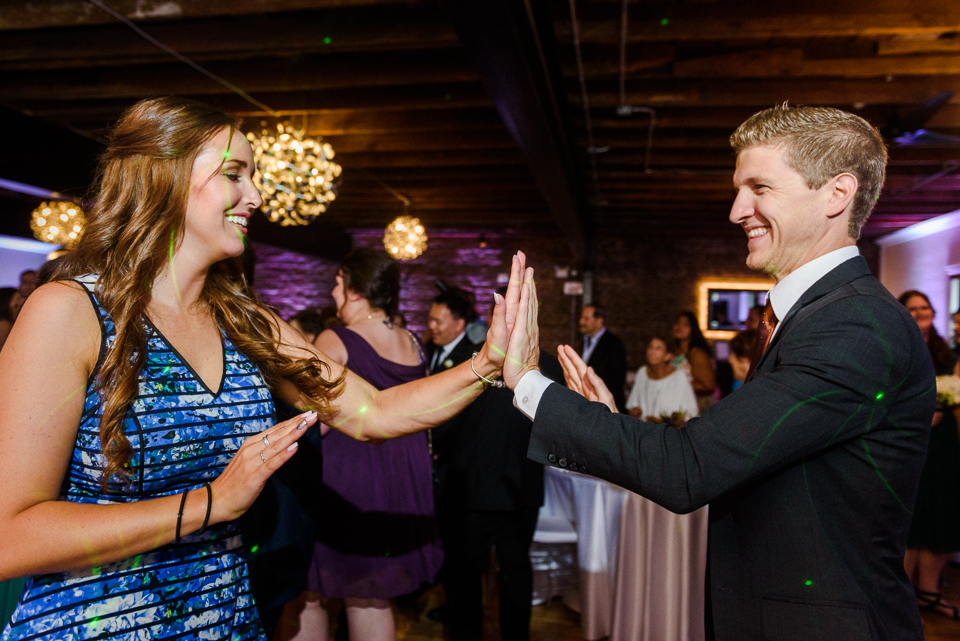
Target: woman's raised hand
(505, 314)
(257, 459)
(523, 350)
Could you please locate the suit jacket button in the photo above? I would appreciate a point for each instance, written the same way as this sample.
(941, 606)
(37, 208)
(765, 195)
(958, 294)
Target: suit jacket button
(552, 458)
(562, 462)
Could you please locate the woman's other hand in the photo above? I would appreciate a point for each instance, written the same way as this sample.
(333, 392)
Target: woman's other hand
(252, 465)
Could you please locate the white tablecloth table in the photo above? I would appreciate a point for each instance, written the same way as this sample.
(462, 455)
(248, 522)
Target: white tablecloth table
(641, 567)
(660, 572)
(594, 507)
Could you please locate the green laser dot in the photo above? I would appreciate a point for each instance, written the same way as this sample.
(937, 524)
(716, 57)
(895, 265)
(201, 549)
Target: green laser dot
(808, 582)
(326, 40)
(363, 410)
(664, 22)
(447, 96)
(879, 396)
(254, 549)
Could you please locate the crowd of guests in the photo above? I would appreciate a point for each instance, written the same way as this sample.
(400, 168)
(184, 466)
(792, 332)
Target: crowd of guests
(126, 495)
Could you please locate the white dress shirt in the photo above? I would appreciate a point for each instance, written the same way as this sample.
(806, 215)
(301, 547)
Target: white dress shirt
(587, 351)
(444, 350)
(783, 297)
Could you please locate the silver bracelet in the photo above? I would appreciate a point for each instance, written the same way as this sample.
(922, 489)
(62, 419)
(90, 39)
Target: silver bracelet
(496, 383)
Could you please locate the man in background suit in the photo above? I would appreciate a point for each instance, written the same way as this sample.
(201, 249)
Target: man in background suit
(449, 345)
(811, 467)
(604, 352)
(490, 498)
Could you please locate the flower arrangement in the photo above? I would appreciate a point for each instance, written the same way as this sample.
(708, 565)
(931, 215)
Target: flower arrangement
(948, 391)
(676, 419)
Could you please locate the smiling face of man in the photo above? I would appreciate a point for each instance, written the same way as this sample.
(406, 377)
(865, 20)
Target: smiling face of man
(786, 222)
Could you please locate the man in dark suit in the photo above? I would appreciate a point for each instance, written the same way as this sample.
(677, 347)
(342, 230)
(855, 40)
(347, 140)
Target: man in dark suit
(604, 352)
(449, 345)
(811, 467)
(491, 498)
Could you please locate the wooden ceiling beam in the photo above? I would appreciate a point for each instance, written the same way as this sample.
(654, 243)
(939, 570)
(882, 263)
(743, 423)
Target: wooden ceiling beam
(389, 28)
(309, 73)
(511, 43)
(419, 142)
(478, 157)
(96, 112)
(39, 14)
(766, 92)
(773, 62)
(756, 19)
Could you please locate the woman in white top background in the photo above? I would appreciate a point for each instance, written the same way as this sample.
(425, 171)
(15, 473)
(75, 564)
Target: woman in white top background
(661, 390)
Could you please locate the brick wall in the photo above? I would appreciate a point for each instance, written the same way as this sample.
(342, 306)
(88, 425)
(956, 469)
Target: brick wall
(644, 282)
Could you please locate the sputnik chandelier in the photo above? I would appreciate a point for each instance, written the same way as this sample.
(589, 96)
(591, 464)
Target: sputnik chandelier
(297, 173)
(58, 221)
(405, 238)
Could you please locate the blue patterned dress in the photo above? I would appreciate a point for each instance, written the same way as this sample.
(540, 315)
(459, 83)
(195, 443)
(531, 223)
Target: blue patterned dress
(183, 435)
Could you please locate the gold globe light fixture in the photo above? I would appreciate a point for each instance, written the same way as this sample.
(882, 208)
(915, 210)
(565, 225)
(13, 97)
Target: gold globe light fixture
(297, 173)
(405, 238)
(58, 221)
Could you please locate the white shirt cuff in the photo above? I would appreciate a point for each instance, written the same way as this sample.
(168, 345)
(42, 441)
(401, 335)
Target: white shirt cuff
(526, 396)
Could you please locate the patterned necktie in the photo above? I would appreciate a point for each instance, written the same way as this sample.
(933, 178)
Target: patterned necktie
(764, 331)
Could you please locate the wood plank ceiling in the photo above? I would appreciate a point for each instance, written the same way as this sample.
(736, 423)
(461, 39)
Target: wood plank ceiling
(422, 97)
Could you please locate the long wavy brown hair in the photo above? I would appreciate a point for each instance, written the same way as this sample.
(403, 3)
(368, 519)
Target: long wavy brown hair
(134, 227)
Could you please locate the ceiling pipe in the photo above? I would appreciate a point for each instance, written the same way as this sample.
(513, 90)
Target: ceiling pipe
(623, 109)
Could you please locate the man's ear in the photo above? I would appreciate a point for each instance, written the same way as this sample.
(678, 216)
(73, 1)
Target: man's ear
(843, 187)
(461, 325)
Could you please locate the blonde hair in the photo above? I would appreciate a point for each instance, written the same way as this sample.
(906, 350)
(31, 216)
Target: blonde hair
(136, 223)
(820, 143)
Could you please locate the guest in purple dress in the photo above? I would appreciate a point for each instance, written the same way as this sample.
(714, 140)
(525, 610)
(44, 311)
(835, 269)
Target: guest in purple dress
(379, 538)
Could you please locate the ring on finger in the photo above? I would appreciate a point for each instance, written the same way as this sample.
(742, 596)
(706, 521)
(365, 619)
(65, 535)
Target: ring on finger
(266, 441)
(261, 457)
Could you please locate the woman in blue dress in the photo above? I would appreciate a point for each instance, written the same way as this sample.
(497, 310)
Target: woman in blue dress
(135, 416)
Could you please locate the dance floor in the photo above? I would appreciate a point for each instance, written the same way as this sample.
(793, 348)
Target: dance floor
(554, 622)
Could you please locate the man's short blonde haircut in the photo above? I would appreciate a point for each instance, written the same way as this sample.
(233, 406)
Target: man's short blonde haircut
(820, 143)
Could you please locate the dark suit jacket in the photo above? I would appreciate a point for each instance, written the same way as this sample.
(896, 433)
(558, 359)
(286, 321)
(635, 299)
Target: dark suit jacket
(810, 468)
(609, 360)
(486, 445)
(462, 352)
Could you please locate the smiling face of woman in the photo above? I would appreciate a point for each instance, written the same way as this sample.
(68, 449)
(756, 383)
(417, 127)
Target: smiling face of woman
(222, 198)
(919, 307)
(682, 329)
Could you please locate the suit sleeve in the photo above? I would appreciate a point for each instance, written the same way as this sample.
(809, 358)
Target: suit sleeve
(852, 369)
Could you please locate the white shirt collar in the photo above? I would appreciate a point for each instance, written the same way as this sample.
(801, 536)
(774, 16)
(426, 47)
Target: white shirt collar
(444, 350)
(593, 343)
(788, 291)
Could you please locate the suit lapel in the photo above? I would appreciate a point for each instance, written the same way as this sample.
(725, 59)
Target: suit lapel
(845, 272)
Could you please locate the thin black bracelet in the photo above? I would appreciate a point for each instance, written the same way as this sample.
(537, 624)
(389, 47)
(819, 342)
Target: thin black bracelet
(183, 501)
(206, 518)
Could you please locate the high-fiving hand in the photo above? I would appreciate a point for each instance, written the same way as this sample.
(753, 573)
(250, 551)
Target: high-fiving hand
(523, 349)
(582, 379)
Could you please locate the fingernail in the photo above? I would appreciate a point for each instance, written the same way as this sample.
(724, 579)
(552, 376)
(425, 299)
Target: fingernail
(302, 424)
(292, 447)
